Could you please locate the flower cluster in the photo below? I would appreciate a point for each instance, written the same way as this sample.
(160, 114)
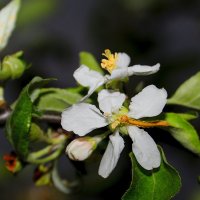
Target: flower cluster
(82, 118)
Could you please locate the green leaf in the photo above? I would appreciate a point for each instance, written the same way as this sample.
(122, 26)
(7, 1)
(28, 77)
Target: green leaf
(89, 60)
(188, 116)
(8, 17)
(55, 99)
(158, 184)
(35, 132)
(188, 94)
(183, 132)
(19, 122)
(12, 66)
(43, 180)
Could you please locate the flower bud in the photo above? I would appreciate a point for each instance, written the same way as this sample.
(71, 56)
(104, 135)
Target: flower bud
(81, 148)
(42, 175)
(12, 162)
(12, 67)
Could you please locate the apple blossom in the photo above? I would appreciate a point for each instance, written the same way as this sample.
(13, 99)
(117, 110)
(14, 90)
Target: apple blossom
(82, 118)
(117, 65)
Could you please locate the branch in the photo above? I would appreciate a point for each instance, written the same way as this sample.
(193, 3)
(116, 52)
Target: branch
(50, 118)
(5, 112)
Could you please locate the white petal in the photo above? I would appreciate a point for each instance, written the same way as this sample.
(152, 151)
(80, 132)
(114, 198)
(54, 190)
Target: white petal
(111, 155)
(148, 103)
(82, 118)
(118, 73)
(123, 60)
(143, 69)
(144, 148)
(110, 101)
(8, 17)
(89, 78)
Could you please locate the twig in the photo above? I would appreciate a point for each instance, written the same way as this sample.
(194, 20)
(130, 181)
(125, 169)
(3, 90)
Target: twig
(5, 112)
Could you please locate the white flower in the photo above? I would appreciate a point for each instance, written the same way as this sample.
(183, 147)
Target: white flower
(82, 118)
(117, 65)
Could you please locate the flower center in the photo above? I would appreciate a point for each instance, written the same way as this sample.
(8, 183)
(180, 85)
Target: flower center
(115, 119)
(110, 62)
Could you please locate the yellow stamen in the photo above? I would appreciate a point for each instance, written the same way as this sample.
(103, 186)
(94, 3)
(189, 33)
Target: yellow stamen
(110, 62)
(128, 121)
(115, 124)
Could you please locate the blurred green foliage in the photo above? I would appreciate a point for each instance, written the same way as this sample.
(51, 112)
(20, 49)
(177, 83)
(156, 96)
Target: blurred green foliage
(33, 11)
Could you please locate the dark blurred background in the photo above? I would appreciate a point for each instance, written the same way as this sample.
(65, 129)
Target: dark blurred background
(53, 32)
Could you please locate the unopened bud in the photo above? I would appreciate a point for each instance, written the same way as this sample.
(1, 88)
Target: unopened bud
(12, 164)
(42, 175)
(81, 148)
(12, 67)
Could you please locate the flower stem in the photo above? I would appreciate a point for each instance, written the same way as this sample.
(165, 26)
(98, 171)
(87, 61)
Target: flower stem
(49, 158)
(101, 137)
(35, 158)
(40, 153)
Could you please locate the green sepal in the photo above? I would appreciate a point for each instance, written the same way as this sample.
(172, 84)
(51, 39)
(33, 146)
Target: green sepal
(188, 94)
(19, 123)
(159, 184)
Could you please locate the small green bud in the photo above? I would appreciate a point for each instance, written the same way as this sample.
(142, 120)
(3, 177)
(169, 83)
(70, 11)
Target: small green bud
(12, 67)
(123, 130)
(42, 175)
